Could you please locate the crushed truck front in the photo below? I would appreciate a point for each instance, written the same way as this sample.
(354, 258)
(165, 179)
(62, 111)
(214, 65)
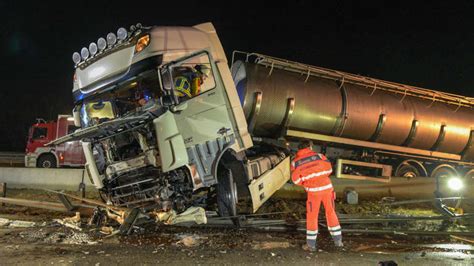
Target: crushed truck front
(148, 143)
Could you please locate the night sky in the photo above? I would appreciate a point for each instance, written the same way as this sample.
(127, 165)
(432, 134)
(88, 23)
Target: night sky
(426, 44)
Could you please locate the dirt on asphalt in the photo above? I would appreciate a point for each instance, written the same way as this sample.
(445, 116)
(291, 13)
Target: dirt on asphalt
(48, 242)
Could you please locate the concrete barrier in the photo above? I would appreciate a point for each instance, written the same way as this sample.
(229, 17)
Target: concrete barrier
(37, 178)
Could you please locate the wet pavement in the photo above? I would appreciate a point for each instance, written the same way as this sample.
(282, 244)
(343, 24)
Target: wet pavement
(55, 244)
(51, 243)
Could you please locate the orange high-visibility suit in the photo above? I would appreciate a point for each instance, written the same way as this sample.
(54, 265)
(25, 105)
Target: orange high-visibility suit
(311, 170)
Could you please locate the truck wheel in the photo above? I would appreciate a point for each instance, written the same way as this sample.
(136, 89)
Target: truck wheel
(407, 170)
(227, 194)
(46, 161)
(452, 198)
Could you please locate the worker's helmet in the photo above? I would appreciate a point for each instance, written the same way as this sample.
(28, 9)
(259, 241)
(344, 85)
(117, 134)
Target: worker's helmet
(182, 87)
(203, 69)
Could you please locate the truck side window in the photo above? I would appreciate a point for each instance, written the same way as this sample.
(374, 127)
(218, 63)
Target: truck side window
(193, 77)
(40, 133)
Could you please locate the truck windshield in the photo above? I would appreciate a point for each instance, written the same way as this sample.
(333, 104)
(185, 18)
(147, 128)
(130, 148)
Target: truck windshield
(39, 133)
(93, 113)
(127, 98)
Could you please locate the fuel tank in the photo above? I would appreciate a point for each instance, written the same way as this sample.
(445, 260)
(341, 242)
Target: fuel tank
(276, 99)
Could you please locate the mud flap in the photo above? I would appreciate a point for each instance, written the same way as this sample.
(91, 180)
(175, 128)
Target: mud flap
(170, 142)
(262, 188)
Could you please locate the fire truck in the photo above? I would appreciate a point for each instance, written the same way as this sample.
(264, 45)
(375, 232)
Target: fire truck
(37, 154)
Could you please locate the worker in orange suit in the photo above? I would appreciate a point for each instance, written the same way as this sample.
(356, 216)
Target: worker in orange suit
(311, 170)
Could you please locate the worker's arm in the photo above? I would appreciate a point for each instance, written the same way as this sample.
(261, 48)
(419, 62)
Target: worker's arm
(295, 174)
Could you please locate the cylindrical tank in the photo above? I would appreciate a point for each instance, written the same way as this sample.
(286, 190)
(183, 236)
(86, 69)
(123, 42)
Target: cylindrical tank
(274, 99)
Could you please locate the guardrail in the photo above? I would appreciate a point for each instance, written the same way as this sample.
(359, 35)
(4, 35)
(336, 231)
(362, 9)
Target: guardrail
(12, 158)
(48, 178)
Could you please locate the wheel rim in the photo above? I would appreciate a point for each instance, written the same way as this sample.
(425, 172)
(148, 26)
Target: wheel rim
(407, 171)
(46, 164)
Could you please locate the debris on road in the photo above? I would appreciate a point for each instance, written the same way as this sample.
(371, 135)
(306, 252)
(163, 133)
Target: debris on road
(191, 215)
(16, 223)
(75, 226)
(4, 222)
(270, 245)
(189, 240)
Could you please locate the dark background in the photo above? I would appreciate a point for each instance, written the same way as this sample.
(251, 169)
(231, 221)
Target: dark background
(425, 44)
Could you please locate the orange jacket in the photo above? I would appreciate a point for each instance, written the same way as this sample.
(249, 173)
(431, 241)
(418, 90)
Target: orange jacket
(311, 170)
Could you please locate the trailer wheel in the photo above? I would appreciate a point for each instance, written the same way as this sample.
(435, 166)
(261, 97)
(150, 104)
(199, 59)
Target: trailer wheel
(450, 197)
(227, 195)
(46, 161)
(407, 170)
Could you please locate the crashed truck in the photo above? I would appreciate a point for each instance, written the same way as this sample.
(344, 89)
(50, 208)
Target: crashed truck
(228, 147)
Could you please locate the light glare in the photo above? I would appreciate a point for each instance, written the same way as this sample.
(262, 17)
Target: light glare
(455, 183)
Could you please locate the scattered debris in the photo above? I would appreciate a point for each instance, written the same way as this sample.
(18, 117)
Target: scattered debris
(107, 230)
(191, 215)
(79, 239)
(71, 222)
(189, 240)
(75, 219)
(16, 223)
(68, 224)
(470, 241)
(388, 199)
(4, 222)
(270, 245)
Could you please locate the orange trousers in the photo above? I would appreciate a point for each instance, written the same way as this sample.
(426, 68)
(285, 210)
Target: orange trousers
(313, 203)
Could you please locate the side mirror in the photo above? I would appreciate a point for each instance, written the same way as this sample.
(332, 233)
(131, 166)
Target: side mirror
(77, 116)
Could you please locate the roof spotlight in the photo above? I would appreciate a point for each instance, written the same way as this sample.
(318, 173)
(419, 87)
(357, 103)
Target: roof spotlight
(121, 34)
(93, 48)
(84, 53)
(111, 39)
(76, 58)
(101, 43)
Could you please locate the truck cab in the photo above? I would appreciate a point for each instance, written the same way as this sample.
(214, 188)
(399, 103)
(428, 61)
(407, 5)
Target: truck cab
(37, 154)
(160, 132)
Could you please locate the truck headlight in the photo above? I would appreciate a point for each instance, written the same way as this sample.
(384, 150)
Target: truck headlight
(142, 43)
(455, 183)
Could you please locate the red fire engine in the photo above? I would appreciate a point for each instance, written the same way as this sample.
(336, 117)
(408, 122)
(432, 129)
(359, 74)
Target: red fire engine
(66, 154)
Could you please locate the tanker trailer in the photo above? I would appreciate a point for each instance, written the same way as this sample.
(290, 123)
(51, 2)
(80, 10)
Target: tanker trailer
(370, 129)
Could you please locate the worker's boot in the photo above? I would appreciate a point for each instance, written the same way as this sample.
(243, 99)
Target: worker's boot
(310, 245)
(338, 241)
(309, 248)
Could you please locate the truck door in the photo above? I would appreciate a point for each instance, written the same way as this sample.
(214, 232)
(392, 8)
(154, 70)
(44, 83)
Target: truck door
(201, 111)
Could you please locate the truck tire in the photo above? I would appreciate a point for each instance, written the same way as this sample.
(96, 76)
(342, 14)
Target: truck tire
(46, 161)
(226, 194)
(442, 175)
(408, 171)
